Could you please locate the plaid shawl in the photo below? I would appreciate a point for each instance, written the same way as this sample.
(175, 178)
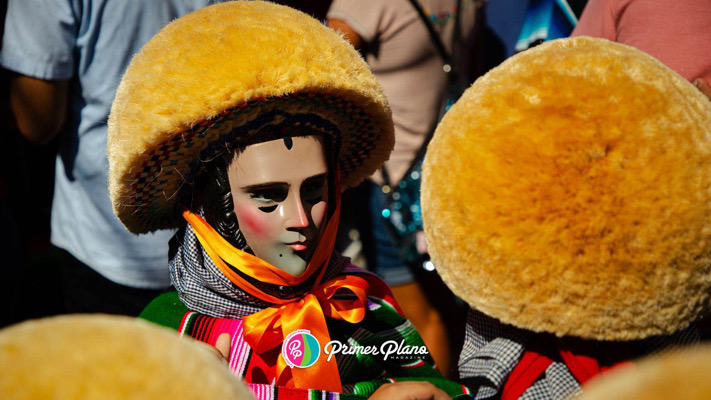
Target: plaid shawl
(205, 289)
(492, 350)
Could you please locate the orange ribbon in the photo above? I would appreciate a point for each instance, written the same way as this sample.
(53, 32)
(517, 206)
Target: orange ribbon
(268, 328)
(223, 253)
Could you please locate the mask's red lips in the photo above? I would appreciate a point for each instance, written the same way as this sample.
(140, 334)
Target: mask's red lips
(298, 246)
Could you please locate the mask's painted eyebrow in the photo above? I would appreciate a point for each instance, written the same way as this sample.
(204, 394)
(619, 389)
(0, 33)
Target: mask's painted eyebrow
(280, 185)
(265, 186)
(316, 178)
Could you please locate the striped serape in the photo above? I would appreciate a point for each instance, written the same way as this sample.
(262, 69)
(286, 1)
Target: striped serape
(361, 374)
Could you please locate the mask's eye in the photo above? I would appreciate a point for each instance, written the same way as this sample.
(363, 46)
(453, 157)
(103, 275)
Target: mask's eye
(313, 189)
(268, 209)
(268, 197)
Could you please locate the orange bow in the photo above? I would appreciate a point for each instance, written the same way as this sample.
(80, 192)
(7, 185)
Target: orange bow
(268, 328)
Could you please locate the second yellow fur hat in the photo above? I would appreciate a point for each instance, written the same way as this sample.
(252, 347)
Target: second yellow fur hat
(569, 191)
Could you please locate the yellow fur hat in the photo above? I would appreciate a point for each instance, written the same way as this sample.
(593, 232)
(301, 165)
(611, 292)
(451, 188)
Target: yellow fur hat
(220, 74)
(682, 374)
(569, 191)
(109, 357)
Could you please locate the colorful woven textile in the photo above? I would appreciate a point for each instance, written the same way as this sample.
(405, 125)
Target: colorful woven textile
(361, 374)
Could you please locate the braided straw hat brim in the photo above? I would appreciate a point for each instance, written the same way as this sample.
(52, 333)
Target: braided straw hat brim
(220, 74)
(677, 374)
(109, 357)
(569, 191)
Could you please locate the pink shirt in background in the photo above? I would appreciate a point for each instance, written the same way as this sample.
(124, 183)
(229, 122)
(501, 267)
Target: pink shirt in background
(676, 32)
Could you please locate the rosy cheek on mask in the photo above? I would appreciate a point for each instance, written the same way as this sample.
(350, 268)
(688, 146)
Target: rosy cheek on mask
(253, 220)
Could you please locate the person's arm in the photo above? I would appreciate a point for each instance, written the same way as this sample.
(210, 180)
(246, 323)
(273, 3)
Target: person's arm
(597, 20)
(703, 86)
(348, 33)
(38, 49)
(39, 106)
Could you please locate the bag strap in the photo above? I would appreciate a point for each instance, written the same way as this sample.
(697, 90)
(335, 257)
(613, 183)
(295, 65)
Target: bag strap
(448, 67)
(436, 40)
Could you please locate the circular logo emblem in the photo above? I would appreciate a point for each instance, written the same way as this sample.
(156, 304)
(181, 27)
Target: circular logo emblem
(300, 349)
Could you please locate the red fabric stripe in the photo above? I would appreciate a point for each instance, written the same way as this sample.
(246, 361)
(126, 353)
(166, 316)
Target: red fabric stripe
(210, 327)
(526, 372)
(584, 359)
(582, 367)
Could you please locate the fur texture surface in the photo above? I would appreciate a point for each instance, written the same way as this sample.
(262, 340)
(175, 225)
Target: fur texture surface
(569, 191)
(230, 66)
(109, 357)
(683, 374)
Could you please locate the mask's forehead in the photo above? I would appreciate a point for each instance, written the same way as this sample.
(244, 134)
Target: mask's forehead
(291, 160)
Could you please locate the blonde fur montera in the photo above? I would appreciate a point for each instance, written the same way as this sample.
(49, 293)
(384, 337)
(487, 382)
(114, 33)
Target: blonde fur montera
(220, 74)
(106, 357)
(569, 191)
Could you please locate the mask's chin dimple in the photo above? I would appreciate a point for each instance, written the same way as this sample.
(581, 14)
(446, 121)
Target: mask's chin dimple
(292, 263)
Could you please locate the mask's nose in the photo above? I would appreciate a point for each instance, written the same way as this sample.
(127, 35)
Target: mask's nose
(294, 213)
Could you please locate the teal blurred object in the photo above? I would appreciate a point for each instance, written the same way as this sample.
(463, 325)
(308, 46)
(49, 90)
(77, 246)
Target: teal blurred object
(545, 20)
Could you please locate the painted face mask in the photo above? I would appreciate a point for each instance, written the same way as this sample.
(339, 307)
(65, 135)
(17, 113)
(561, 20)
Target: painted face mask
(280, 195)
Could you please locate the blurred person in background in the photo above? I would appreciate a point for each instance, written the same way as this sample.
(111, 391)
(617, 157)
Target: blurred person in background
(677, 33)
(413, 48)
(66, 58)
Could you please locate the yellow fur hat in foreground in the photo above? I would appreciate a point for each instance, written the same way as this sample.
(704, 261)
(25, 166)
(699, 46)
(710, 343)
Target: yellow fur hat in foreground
(683, 374)
(106, 357)
(220, 74)
(569, 191)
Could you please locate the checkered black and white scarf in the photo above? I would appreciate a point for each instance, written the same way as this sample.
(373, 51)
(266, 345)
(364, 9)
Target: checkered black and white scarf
(203, 288)
(493, 349)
